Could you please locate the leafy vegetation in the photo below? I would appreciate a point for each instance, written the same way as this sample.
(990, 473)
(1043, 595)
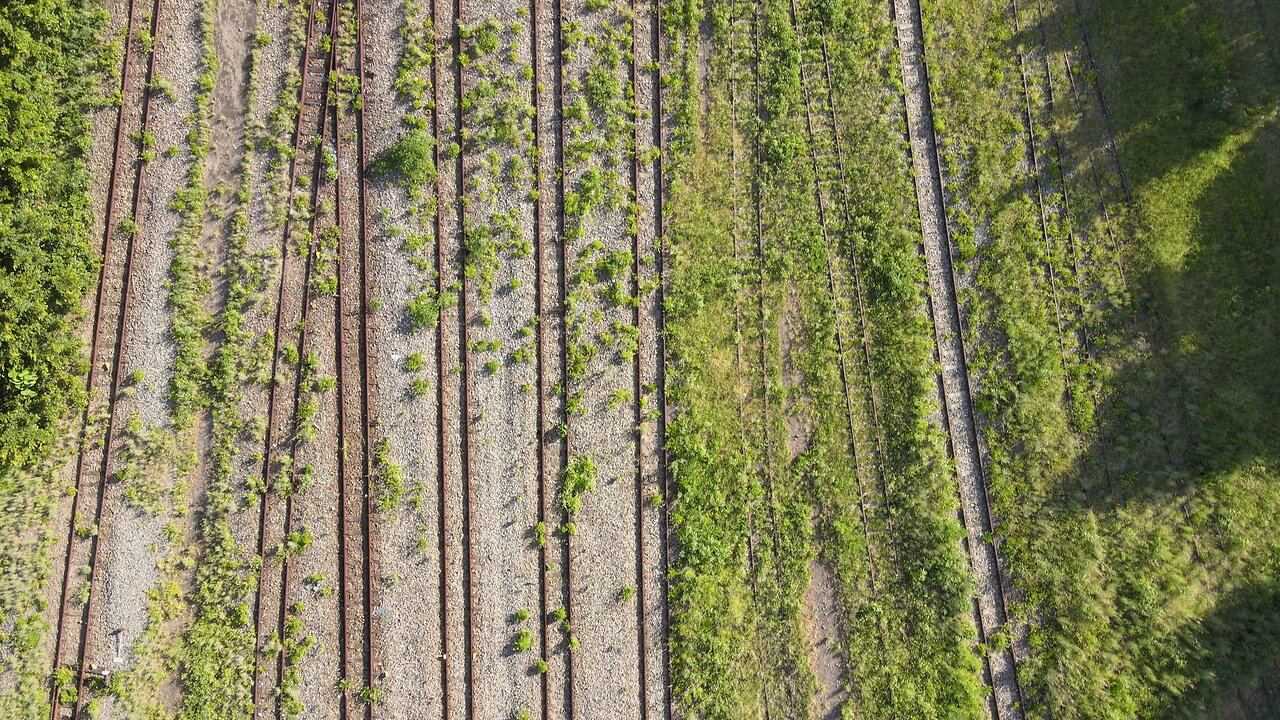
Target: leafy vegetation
(411, 159)
(46, 261)
(51, 64)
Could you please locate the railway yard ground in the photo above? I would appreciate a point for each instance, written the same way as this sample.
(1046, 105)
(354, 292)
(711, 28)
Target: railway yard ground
(639, 359)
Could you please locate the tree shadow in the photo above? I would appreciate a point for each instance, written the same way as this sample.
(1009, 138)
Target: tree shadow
(1188, 421)
(1196, 351)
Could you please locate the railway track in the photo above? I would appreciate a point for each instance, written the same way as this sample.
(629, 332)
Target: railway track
(757, 194)
(540, 371)
(1273, 54)
(1084, 337)
(355, 478)
(1109, 126)
(973, 452)
(742, 26)
(664, 460)
(832, 191)
(637, 386)
(1038, 183)
(757, 201)
(566, 557)
(319, 97)
(121, 333)
(1073, 245)
(441, 344)
(1103, 209)
(1109, 140)
(837, 193)
(311, 97)
(464, 416)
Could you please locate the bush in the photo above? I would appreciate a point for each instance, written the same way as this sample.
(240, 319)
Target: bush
(410, 158)
(46, 262)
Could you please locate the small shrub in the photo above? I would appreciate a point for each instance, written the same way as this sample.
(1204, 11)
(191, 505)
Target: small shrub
(579, 479)
(410, 158)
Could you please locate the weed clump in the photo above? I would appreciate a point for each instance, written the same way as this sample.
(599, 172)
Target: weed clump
(410, 158)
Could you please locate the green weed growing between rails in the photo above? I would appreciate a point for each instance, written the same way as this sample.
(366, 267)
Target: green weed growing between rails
(217, 650)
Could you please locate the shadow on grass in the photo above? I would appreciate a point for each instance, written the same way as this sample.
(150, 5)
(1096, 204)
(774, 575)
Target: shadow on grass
(1190, 418)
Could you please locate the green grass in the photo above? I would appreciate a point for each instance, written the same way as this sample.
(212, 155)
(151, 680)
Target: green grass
(737, 640)
(1135, 501)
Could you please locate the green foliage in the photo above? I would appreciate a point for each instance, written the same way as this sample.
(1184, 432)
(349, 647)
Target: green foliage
(410, 159)
(523, 641)
(46, 260)
(425, 308)
(388, 475)
(579, 479)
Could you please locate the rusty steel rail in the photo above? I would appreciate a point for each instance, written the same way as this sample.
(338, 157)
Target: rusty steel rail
(637, 388)
(122, 326)
(340, 342)
(441, 445)
(1033, 157)
(366, 372)
(663, 415)
(464, 419)
(304, 66)
(325, 93)
(354, 478)
(541, 369)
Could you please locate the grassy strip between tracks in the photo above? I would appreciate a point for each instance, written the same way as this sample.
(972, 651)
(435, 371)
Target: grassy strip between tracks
(738, 639)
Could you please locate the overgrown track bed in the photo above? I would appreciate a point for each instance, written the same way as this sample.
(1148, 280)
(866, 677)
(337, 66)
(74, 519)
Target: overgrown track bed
(80, 533)
(743, 79)
(292, 308)
(355, 459)
(831, 192)
(959, 419)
